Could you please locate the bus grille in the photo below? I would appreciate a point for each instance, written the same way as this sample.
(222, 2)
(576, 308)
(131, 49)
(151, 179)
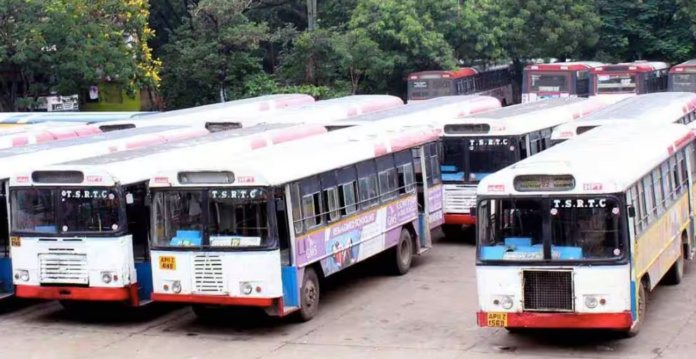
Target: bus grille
(63, 268)
(207, 272)
(548, 290)
(459, 198)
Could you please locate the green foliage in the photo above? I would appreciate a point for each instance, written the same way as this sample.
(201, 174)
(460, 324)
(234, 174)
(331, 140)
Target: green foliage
(651, 29)
(66, 45)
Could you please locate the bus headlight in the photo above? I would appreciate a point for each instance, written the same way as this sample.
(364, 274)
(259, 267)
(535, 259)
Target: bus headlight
(106, 277)
(22, 275)
(176, 287)
(591, 301)
(506, 302)
(246, 288)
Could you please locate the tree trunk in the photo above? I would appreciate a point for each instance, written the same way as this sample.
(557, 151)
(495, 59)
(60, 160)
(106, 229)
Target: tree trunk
(311, 14)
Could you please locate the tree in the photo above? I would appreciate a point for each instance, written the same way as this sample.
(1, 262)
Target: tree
(409, 33)
(361, 58)
(651, 29)
(212, 55)
(65, 46)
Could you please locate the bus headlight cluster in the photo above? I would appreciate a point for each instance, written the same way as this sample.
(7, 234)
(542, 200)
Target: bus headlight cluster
(246, 288)
(504, 301)
(176, 287)
(592, 301)
(22, 275)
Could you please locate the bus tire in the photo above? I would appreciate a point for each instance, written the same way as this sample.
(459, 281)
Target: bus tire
(309, 296)
(403, 253)
(676, 273)
(642, 310)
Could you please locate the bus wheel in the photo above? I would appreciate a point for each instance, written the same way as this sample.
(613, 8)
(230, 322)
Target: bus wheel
(403, 253)
(309, 295)
(675, 274)
(642, 309)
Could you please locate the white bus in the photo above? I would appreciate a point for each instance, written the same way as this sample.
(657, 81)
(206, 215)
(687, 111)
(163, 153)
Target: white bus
(614, 82)
(660, 107)
(578, 236)
(476, 146)
(97, 247)
(262, 230)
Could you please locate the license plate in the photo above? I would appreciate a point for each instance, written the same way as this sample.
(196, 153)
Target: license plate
(15, 241)
(498, 320)
(167, 262)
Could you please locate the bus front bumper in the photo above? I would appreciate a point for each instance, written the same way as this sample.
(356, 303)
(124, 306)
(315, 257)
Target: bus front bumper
(559, 320)
(77, 293)
(213, 300)
(460, 219)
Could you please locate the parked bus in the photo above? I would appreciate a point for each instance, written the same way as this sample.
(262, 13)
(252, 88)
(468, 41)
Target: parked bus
(265, 229)
(682, 77)
(565, 240)
(23, 158)
(561, 79)
(14, 119)
(661, 107)
(109, 251)
(476, 146)
(495, 82)
(614, 82)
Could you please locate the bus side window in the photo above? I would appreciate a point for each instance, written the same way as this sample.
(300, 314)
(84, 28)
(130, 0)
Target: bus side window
(404, 166)
(330, 195)
(523, 147)
(535, 143)
(367, 184)
(642, 208)
(347, 190)
(296, 207)
(311, 203)
(683, 174)
(435, 176)
(388, 183)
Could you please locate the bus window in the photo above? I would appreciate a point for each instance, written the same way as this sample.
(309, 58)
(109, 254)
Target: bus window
(548, 82)
(616, 83)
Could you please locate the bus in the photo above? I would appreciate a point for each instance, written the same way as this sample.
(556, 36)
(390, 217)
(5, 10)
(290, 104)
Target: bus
(260, 232)
(494, 81)
(15, 119)
(101, 203)
(660, 107)
(565, 240)
(614, 82)
(682, 77)
(476, 146)
(561, 79)
(18, 159)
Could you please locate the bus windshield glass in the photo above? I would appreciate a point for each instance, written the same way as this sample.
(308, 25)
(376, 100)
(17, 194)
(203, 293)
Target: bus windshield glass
(683, 82)
(470, 159)
(424, 88)
(616, 83)
(77, 210)
(548, 82)
(232, 218)
(573, 228)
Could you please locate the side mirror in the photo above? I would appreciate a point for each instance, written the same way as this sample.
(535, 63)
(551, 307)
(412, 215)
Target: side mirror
(631, 212)
(472, 211)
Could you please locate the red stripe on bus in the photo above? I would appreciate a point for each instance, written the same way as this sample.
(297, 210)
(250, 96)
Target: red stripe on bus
(42, 137)
(185, 134)
(621, 320)
(258, 142)
(212, 299)
(264, 106)
(681, 142)
(20, 141)
(296, 133)
(294, 101)
(73, 293)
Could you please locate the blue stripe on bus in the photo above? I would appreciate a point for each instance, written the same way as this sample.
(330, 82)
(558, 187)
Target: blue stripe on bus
(6, 276)
(143, 271)
(633, 300)
(291, 292)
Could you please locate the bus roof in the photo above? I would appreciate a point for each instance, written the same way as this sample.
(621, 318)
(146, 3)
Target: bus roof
(688, 66)
(607, 160)
(26, 157)
(659, 107)
(636, 66)
(216, 112)
(294, 161)
(428, 111)
(564, 66)
(47, 134)
(530, 117)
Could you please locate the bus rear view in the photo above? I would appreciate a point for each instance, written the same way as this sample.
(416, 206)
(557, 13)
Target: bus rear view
(565, 79)
(682, 77)
(615, 82)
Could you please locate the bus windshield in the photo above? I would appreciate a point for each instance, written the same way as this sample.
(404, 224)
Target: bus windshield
(232, 218)
(66, 210)
(683, 82)
(616, 83)
(470, 159)
(574, 228)
(548, 82)
(423, 89)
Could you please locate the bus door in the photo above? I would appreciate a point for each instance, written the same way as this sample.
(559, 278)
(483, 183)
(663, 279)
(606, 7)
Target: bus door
(430, 196)
(581, 88)
(138, 216)
(690, 168)
(6, 285)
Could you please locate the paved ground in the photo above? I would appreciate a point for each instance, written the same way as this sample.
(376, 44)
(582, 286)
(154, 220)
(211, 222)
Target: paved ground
(427, 314)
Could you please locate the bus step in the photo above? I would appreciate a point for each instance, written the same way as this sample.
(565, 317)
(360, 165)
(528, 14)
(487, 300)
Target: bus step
(144, 302)
(422, 250)
(5, 295)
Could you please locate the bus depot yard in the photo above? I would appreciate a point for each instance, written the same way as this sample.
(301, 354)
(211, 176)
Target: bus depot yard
(283, 226)
(429, 313)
